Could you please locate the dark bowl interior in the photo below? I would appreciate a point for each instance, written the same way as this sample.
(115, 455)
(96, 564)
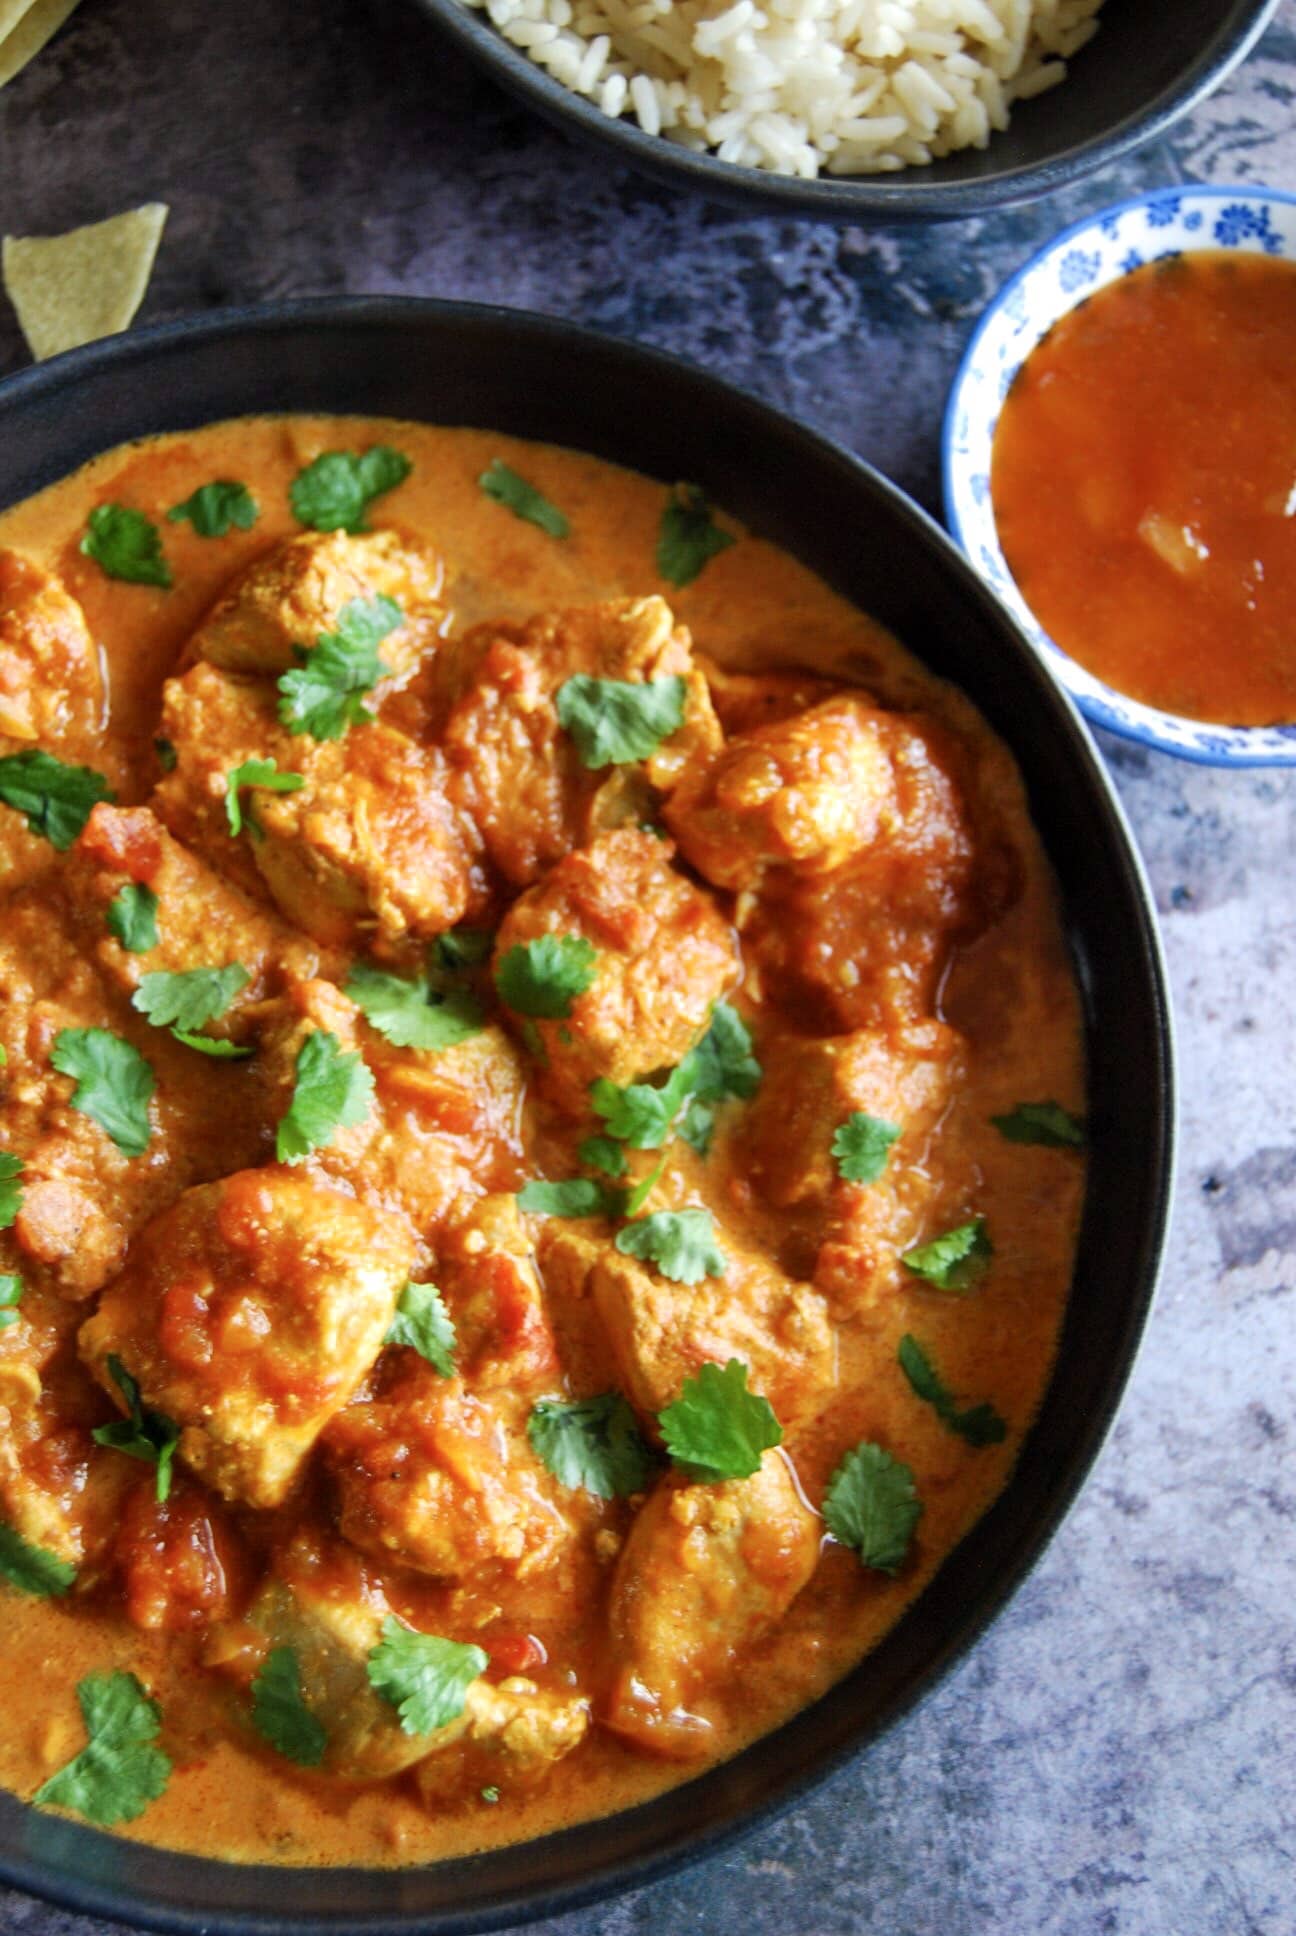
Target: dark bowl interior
(460, 365)
(1149, 63)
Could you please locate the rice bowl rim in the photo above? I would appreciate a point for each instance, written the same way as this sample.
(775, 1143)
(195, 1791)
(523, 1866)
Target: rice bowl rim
(906, 195)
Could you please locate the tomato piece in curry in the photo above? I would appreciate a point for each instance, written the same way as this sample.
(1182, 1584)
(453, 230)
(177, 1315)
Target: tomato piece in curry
(512, 1130)
(1144, 486)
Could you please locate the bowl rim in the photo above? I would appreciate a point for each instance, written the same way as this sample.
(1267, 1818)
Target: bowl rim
(1129, 719)
(119, 1897)
(898, 197)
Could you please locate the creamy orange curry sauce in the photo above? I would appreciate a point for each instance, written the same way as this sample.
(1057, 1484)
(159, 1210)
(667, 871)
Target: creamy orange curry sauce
(387, 1503)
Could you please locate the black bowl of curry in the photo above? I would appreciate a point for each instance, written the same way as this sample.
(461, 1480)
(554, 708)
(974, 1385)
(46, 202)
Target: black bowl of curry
(586, 1119)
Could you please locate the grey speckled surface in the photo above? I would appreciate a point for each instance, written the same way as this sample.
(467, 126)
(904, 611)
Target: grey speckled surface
(1116, 1756)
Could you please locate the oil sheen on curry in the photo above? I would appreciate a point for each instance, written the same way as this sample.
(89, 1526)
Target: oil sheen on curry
(539, 1138)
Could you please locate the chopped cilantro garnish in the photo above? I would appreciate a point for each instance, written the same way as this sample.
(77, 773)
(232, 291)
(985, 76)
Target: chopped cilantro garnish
(461, 948)
(543, 977)
(132, 918)
(11, 1290)
(168, 758)
(213, 1045)
(862, 1146)
(592, 1442)
(189, 998)
(424, 1325)
(55, 797)
(120, 1770)
(523, 499)
(871, 1505)
(213, 509)
(11, 1195)
(146, 1435)
(334, 492)
(332, 1091)
(641, 1114)
(114, 1083)
(1045, 1123)
(978, 1424)
(280, 1714)
(717, 1429)
(601, 1153)
(31, 1569)
(615, 722)
(255, 773)
(125, 544)
(425, 1678)
(414, 1014)
(698, 1126)
(323, 695)
(490, 1794)
(642, 1190)
(680, 1242)
(581, 1197)
(687, 539)
(954, 1261)
(722, 1064)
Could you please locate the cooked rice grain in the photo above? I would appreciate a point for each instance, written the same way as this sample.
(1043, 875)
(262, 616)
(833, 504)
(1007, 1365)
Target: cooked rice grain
(800, 87)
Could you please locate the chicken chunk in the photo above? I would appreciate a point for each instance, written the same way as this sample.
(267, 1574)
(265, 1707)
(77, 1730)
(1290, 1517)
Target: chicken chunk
(287, 599)
(706, 1572)
(444, 1481)
(51, 683)
(807, 793)
(515, 1733)
(179, 1562)
(486, 1270)
(661, 1331)
(744, 701)
(523, 779)
(248, 1314)
(853, 1232)
(663, 956)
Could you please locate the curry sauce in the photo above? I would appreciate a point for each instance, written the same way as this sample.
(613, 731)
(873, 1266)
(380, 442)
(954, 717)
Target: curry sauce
(803, 906)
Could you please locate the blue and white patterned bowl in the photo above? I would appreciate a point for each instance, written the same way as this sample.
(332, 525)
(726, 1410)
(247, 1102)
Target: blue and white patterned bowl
(1082, 259)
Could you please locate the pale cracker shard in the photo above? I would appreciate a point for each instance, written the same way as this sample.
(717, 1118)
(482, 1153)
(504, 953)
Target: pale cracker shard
(25, 27)
(74, 288)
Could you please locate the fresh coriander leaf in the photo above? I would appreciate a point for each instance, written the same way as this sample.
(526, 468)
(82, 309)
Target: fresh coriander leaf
(125, 544)
(980, 1425)
(323, 695)
(717, 1429)
(615, 722)
(168, 758)
(56, 798)
(680, 1242)
(722, 1063)
(214, 508)
(698, 1126)
(213, 1045)
(642, 1190)
(114, 1084)
(601, 1153)
(334, 492)
(523, 499)
(413, 1014)
(871, 1505)
(1045, 1123)
(423, 1323)
(120, 1770)
(687, 539)
(581, 1197)
(11, 1290)
(425, 1678)
(132, 918)
(332, 1091)
(188, 999)
(543, 977)
(461, 948)
(490, 1794)
(954, 1261)
(641, 1114)
(31, 1569)
(280, 1714)
(11, 1195)
(146, 1435)
(255, 773)
(862, 1146)
(594, 1443)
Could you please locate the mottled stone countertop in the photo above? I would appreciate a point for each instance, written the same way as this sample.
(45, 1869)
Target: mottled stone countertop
(1116, 1755)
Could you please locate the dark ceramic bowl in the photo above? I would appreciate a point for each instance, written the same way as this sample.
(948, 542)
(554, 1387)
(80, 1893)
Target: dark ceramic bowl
(1149, 63)
(535, 378)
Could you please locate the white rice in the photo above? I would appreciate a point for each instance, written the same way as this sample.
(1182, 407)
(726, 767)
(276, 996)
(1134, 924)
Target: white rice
(849, 87)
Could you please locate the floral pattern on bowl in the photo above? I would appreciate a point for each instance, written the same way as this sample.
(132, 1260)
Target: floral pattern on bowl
(1069, 269)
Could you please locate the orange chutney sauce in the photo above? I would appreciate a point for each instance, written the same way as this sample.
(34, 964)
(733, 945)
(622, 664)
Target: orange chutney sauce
(1144, 486)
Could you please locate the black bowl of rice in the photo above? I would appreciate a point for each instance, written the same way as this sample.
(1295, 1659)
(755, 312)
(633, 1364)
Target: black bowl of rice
(890, 110)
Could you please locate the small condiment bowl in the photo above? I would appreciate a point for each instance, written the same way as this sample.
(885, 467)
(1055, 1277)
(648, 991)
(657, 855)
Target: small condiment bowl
(1085, 258)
